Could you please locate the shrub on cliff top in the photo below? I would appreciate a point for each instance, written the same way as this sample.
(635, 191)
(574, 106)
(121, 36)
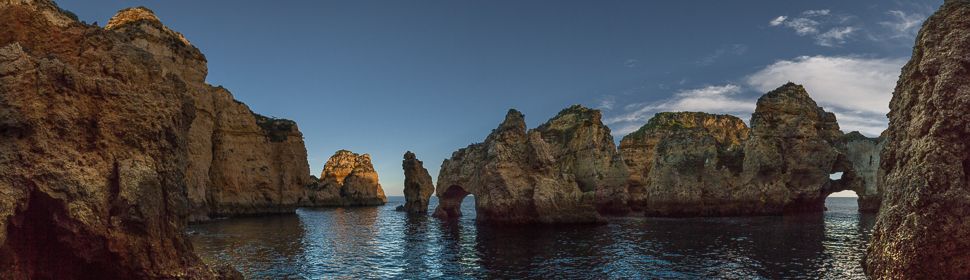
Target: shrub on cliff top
(275, 129)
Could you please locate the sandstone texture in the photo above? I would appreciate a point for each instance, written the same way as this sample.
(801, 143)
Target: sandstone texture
(240, 163)
(922, 231)
(93, 154)
(418, 187)
(348, 179)
(558, 173)
(699, 164)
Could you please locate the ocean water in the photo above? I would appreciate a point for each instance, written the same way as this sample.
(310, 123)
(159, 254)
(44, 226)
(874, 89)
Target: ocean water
(380, 243)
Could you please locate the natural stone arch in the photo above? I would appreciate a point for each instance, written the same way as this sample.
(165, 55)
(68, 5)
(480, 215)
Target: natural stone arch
(449, 203)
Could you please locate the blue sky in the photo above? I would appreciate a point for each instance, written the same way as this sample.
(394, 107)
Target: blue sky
(385, 77)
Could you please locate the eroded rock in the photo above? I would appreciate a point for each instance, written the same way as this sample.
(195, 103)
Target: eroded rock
(240, 162)
(922, 231)
(348, 179)
(418, 187)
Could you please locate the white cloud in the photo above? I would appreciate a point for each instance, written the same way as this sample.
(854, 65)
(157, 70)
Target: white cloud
(777, 21)
(834, 37)
(857, 89)
(814, 13)
(710, 99)
(803, 26)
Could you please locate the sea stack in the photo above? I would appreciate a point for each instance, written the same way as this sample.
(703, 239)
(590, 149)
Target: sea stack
(922, 231)
(93, 153)
(348, 179)
(418, 187)
(240, 162)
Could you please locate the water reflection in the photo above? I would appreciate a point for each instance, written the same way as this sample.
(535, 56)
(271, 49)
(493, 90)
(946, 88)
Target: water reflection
(379, 243)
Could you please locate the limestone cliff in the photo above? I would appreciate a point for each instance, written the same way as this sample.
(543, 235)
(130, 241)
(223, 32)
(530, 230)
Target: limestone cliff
(348, 179)
(93, 154)
(418, 187)
(239, 162)
(558, 173)
(686, 163)
(922, 231)
(698, 164)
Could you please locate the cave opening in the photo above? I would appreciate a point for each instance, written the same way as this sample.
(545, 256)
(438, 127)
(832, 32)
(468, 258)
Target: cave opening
(449, 203)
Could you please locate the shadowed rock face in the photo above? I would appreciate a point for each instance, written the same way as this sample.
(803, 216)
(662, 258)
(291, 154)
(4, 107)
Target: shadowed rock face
(418, 187)
(93, 154)
(239, 162)
(698, 164)
(558, 173)
(922, 231)
(348, 179)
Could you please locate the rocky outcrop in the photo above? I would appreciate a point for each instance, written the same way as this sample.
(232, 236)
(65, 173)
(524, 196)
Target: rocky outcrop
(240, 163)
(348, 179)
(922, 230)
(685, 164)
(93, 154)
(558, 173)
(582, 146)
(418, 187)
(788, 158)
(698, 164)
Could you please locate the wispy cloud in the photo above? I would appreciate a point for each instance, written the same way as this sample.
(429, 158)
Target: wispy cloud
(834, 37)
(607, 102)
(811, 22)
(904, 24)
(736, 49)
(711, 99)
(857, 89)
(630, 63)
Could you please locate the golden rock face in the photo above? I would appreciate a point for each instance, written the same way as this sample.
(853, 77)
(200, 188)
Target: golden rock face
(348, 179)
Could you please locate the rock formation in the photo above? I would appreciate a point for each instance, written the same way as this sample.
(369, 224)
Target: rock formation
(583, 147)
(698, 164)
(348, 179)
(93, 153)
(537, 176)
(418, 187)
(922, 231)
(686, 163)
(239, 162)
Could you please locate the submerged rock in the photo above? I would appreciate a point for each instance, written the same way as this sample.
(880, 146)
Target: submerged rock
(240, 162)
(418, 187)
(558, 173)
(93, 154)
(348, 179)
(922, 231)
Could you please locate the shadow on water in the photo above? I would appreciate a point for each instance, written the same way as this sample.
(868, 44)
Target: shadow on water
(380, 243)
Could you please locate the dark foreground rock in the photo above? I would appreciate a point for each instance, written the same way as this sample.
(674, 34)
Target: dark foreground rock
(93, 154)
(922, 231)
(418, 187)
(558, 173)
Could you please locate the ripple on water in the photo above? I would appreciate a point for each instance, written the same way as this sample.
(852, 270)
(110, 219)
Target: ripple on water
(379, 243)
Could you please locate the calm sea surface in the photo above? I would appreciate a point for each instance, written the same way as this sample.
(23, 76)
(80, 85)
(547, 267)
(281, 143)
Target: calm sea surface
(380, 243)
